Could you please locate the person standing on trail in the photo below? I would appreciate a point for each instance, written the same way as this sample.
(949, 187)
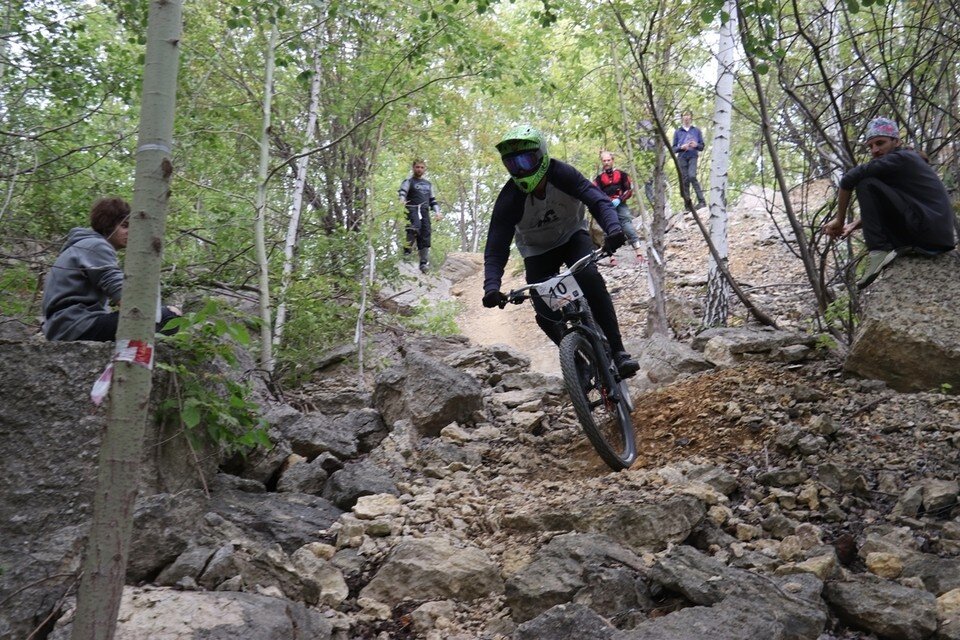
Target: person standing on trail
(687, 144)
(904, 206)
(87, 276)
(616, 184)
(542, 207)
(416, 194)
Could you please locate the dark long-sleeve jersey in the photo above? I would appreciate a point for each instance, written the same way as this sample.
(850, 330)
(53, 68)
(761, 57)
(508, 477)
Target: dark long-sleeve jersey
(682, 136)
(417, 194)
(541, 225)
(908, 173)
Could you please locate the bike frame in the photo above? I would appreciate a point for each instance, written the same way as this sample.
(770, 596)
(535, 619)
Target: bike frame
(576, 316)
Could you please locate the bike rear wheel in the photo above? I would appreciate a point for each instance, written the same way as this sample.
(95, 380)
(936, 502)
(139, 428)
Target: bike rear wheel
(603, 414)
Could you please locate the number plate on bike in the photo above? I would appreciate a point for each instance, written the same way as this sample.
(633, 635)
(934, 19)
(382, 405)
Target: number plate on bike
(560, 291)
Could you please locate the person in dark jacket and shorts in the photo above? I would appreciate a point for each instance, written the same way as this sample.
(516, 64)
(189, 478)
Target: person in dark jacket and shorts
(416, 194)
(542, 208)
(86, 278)
(904, 206)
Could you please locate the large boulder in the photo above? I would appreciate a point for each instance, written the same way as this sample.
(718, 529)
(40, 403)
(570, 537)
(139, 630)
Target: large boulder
(885, 608)
(428, 392)
(460, 266)
(567, 621)
(589, 569)
(345, 436)
(663, 360)
(909, 333)
(288, 519)
(730, 619)
(729, 346)
(355, 480)
(641, 527)
(792, 601)
(49, 447)
(202, 615)
(434, 568)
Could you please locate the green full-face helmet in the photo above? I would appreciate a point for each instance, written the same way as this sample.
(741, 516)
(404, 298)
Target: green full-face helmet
(523, 151)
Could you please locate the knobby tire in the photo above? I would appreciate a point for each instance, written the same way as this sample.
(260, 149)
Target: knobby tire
(607, 423)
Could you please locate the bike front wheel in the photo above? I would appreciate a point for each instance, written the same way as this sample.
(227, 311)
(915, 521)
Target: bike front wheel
(602, 412)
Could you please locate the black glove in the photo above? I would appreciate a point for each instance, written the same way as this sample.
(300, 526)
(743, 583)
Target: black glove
(614, 241)
(493, 299)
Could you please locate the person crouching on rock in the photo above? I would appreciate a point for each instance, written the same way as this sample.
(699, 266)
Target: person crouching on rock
(904, 206)
(86, 278)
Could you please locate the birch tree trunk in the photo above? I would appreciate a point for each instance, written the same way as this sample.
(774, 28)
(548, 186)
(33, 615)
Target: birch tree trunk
(105, 563)
(716, 307)
(296, 207)
(259, 227)
(822, 294)
(657, 322)
(838, 163)
(657, 318)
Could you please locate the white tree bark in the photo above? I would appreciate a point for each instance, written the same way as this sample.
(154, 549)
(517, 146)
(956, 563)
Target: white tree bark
(105, 563)
(259, 228)
(296, 207)
(836, 157)
(716, 308)
(656, 269)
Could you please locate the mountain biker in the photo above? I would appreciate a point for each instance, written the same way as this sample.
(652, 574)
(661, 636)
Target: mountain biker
(541, 206)
(416, 194)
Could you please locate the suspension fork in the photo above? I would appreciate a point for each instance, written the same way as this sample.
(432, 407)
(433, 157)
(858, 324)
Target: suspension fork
(581, 320)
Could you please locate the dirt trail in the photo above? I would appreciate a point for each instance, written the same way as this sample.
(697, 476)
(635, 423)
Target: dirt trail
(513, 326)
(758, 259)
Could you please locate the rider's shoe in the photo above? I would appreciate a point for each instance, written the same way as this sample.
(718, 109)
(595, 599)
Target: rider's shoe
(626, 365)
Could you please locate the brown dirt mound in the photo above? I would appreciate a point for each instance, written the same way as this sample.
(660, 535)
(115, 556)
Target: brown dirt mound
(717, 414)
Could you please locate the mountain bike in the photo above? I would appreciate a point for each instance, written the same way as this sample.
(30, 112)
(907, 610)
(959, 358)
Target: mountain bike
(601, 398)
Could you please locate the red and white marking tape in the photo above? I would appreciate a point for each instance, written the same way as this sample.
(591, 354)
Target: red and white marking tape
(135, 351)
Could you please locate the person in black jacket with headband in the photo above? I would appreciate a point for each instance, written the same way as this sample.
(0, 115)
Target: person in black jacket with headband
(904, 206)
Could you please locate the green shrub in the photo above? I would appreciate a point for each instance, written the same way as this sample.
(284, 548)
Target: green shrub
(205, 401)
(18, 289)
(439, 318)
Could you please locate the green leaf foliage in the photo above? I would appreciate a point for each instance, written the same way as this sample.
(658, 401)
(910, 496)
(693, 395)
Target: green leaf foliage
(209, 404)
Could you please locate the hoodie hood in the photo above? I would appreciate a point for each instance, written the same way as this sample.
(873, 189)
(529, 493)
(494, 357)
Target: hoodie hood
(80, 233)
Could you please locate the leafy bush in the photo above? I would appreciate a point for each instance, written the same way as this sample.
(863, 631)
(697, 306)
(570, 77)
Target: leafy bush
(18, 288)
(322, 313)
(206, 402)
(439, 318)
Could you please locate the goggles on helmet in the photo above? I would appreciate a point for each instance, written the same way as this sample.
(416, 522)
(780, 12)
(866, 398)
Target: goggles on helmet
(523, 163)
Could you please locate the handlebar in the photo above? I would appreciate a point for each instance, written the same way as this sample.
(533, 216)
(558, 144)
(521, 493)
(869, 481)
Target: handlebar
(517, 296)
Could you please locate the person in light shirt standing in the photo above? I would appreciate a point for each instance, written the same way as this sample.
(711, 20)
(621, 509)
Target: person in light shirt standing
(687, 144)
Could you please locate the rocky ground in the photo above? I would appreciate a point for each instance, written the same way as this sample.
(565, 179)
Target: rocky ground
(454, 496)
(823, 473)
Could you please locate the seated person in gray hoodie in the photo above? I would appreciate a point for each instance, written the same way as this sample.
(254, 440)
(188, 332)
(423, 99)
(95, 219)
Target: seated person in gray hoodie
(86, 278)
